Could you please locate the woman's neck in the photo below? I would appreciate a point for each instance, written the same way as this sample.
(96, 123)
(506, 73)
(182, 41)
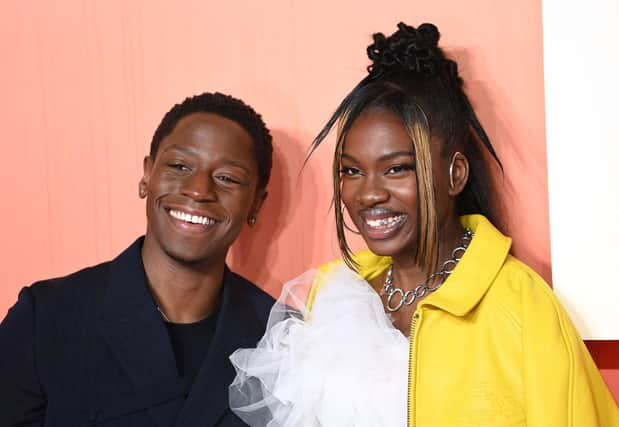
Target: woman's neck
(407, 274)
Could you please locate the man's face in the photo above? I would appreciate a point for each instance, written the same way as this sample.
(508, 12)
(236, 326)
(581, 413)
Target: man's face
(201, 188)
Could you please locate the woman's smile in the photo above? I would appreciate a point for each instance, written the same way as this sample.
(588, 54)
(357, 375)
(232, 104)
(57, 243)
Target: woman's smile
(380, 224)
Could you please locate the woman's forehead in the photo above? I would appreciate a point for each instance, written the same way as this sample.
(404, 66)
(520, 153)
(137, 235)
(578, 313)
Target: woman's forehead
(378, 133)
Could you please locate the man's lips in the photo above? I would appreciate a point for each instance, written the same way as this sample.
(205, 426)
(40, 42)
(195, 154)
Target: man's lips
(190, 219)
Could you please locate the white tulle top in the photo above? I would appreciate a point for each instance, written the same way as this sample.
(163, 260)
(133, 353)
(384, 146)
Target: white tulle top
(342, 364)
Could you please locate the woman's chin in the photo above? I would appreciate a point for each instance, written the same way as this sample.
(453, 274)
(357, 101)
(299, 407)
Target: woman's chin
(387, 247)
(387, 242)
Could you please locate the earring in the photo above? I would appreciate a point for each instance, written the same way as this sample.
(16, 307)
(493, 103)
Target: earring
(451, 169)
(142, 192)
(344, 221)
(251, 221)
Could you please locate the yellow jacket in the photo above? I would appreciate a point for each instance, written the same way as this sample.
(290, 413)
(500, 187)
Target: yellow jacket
(493, 347)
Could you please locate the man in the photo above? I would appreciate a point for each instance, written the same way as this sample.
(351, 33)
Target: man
(144, 339)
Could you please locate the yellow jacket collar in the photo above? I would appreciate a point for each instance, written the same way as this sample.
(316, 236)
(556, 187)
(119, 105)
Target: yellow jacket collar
(478, 267)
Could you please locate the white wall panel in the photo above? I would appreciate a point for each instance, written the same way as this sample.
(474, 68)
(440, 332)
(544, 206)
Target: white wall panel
(581, 73)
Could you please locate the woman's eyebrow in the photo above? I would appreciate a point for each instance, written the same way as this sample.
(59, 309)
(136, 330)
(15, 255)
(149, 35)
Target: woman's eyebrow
(387, 156)
(349, 157)
(395, 154)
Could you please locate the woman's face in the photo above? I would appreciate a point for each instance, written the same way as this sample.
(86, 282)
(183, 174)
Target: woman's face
(201, 188)
(379, 182)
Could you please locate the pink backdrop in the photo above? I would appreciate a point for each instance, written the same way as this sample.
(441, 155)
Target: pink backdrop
(85, 84)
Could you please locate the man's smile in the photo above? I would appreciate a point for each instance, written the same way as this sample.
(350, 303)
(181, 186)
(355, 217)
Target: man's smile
(192, 219)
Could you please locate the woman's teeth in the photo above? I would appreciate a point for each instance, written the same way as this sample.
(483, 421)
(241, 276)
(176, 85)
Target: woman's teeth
(385, 222)
(193, 219)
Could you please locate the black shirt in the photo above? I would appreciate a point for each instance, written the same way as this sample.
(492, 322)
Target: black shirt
(190, 343)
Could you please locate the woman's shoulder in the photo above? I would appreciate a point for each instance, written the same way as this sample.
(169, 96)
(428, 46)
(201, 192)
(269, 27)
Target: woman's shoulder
(515, 278)
(369, 267)
(369, 264)
(526, 296)
(551, 344)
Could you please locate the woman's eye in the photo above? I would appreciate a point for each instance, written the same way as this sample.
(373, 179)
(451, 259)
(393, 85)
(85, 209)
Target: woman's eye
(399, 169)
(350, 171)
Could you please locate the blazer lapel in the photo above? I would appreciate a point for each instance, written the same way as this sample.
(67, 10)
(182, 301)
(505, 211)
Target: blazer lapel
(136, 333)
(237, 326)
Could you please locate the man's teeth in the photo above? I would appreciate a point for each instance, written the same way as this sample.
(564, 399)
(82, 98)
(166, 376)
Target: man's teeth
(384, 222)
(193, 219)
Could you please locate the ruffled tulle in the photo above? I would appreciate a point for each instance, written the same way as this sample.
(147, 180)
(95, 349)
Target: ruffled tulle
(342, 364)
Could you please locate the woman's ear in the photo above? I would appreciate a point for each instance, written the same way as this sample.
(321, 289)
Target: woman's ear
(458, 173)
(143, 184)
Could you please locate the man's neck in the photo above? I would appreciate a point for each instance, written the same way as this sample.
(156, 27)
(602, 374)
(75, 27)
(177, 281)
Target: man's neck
(184, 292)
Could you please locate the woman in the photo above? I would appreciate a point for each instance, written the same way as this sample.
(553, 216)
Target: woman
(482, 337)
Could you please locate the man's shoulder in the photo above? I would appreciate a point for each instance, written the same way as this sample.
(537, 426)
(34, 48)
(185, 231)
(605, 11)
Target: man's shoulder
(91, 280)
(252, 289)
(79, 282)
(260, 297)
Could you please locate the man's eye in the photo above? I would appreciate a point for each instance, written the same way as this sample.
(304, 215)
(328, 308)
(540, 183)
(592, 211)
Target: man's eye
(227, 179)
(178, 166)
(350, 171)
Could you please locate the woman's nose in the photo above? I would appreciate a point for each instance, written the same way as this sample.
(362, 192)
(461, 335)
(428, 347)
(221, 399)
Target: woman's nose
(373, 193)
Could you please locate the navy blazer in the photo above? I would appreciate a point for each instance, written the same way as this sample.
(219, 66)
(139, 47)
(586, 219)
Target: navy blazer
(91, 349)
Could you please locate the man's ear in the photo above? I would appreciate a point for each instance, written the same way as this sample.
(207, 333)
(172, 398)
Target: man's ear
(143, 185)
(259, 199)
(458, 173)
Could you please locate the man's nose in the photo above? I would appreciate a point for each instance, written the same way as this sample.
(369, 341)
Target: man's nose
(200, 187)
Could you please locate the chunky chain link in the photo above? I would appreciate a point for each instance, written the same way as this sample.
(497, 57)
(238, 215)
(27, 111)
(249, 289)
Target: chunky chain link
(431, 284)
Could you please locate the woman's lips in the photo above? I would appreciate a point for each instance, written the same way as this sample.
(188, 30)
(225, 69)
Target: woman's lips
(382, 225)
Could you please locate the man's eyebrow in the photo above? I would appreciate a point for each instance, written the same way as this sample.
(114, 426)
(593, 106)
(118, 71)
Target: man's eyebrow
(175, 147)
(237, 164)
(191, 150)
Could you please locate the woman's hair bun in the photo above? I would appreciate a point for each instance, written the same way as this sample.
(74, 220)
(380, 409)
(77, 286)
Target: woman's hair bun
(408, 49)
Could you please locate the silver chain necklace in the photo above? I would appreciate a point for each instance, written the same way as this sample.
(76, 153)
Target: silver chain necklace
(432, 283)
(163, 315)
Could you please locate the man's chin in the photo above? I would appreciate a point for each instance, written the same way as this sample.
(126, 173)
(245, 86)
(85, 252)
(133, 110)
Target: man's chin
(189, 256)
